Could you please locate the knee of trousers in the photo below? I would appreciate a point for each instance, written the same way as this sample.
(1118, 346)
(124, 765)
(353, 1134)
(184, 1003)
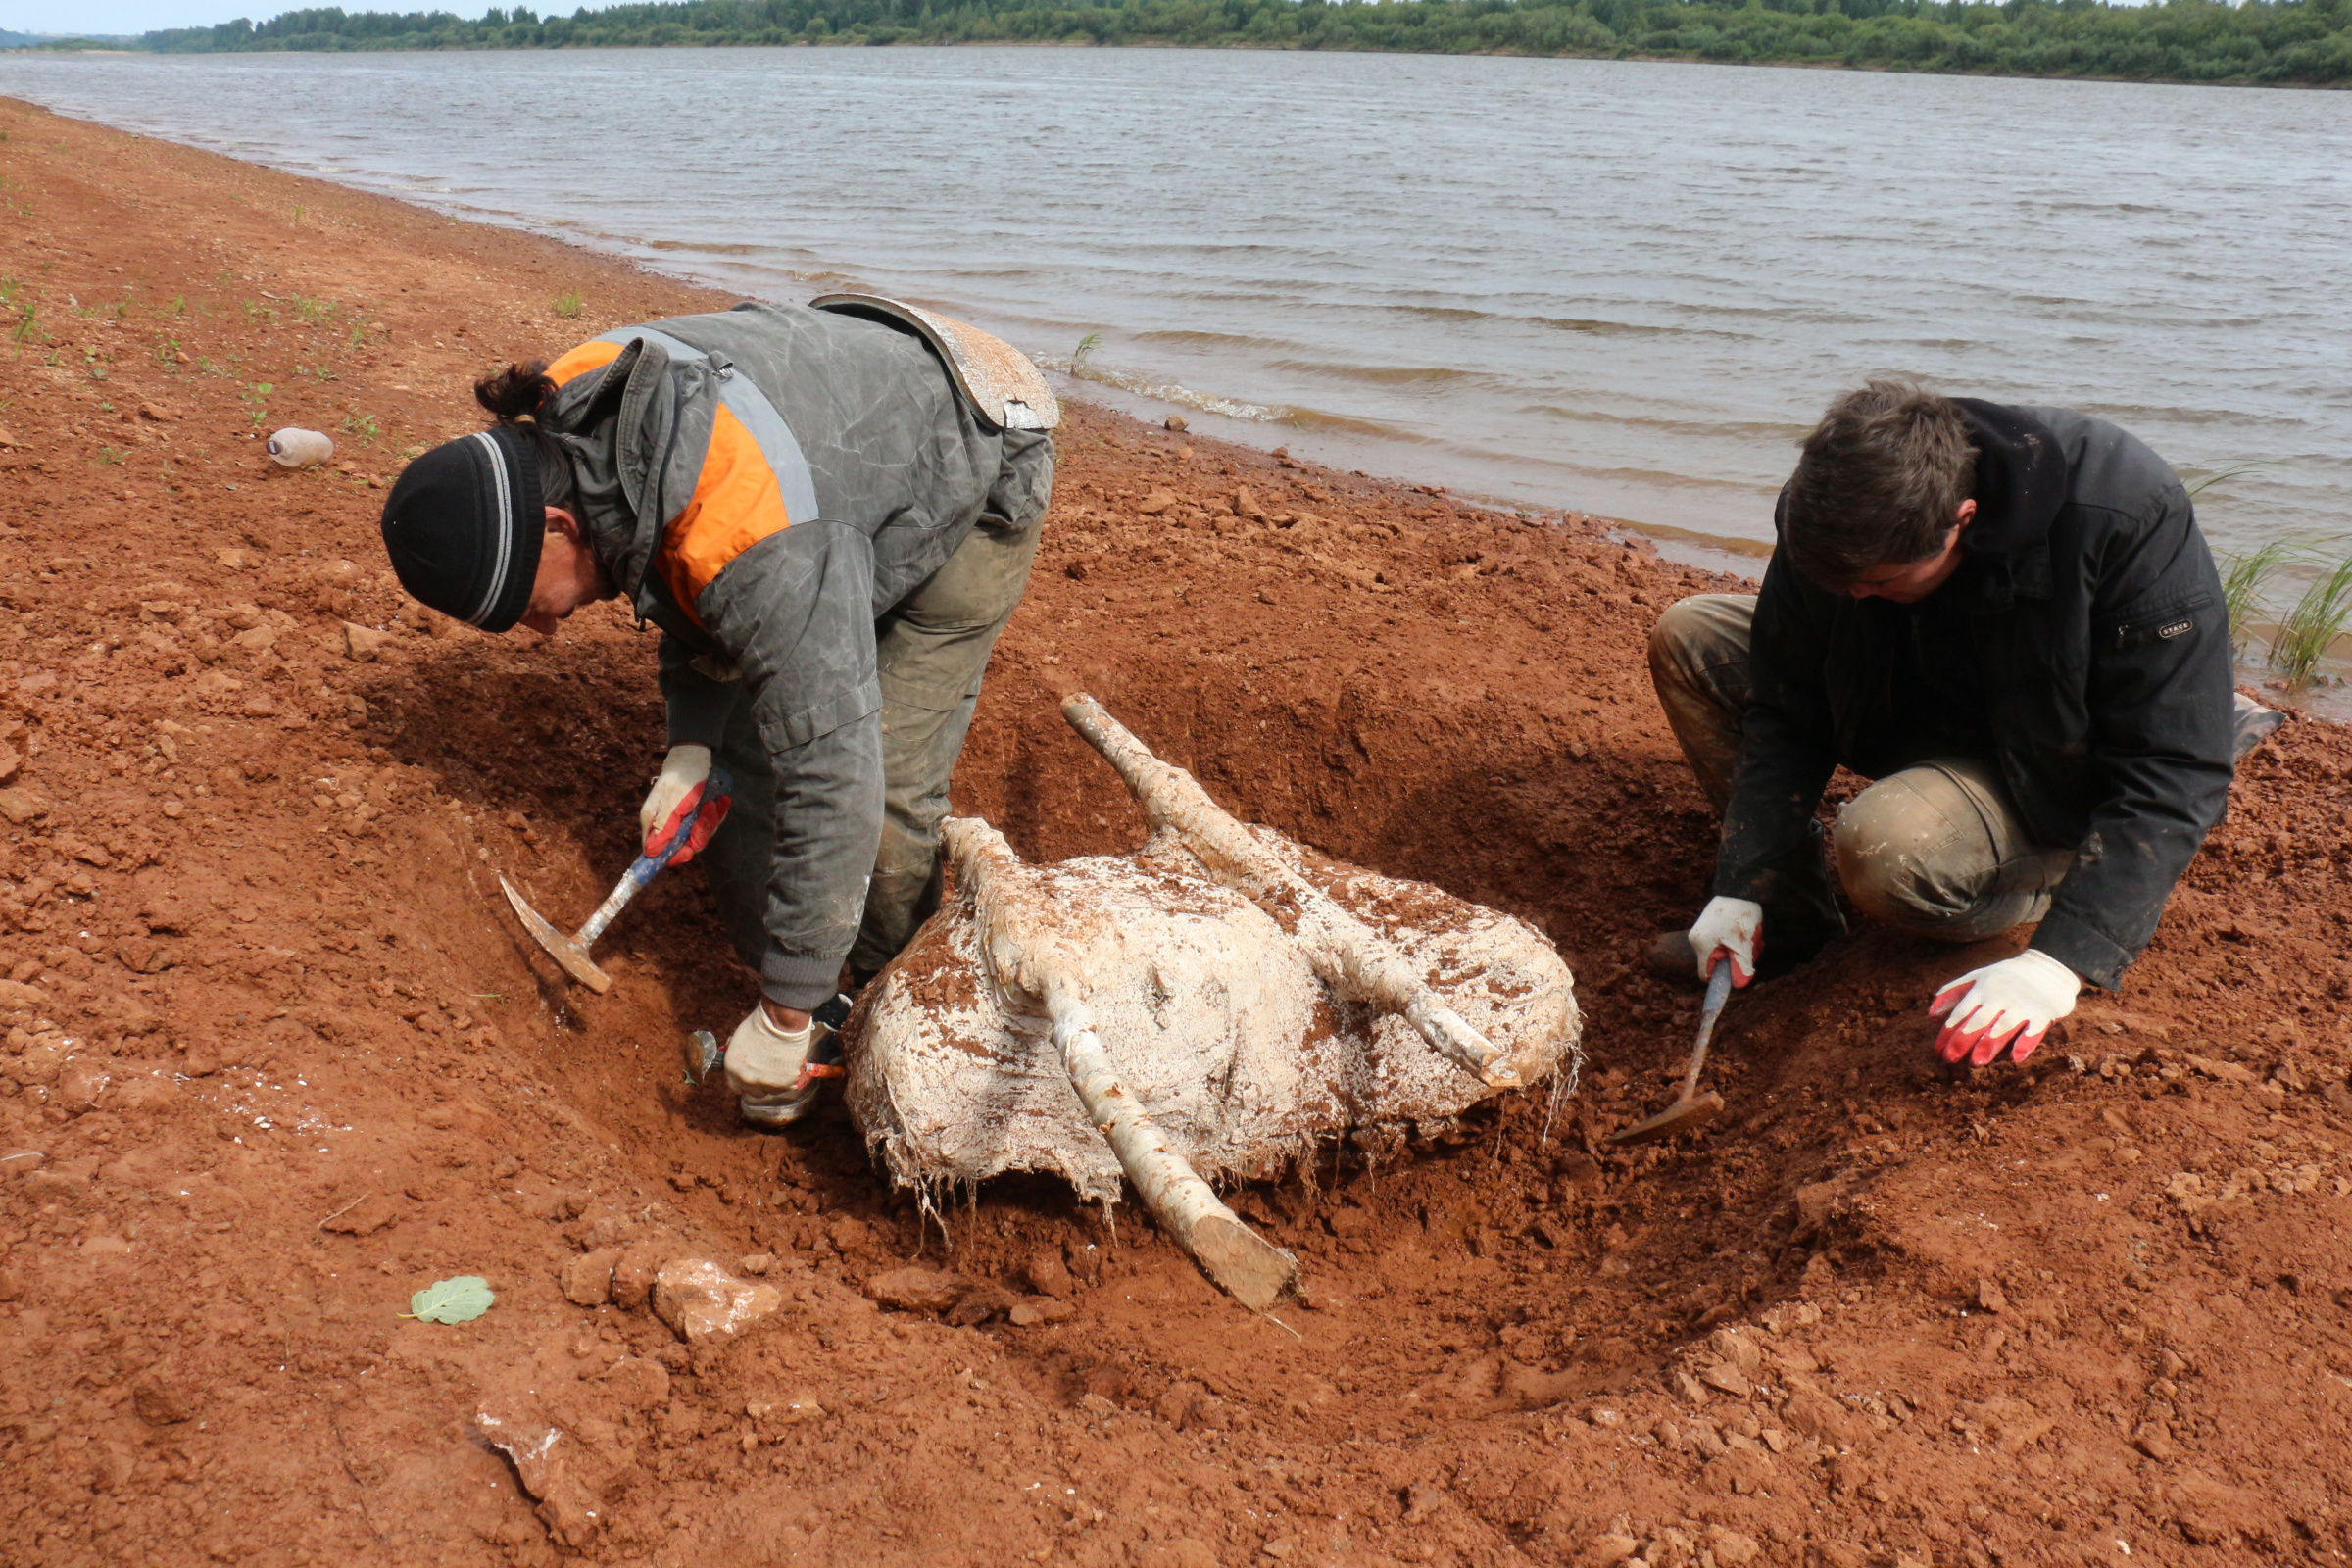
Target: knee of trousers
(1903, 865)
(907, 849)
(1670, 638)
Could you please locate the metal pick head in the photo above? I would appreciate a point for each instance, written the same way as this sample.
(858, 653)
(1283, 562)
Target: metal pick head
(1682, 1116)
(560, 946)
(704, 1056)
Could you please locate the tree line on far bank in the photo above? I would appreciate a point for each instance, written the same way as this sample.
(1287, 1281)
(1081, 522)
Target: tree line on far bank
(2304, 42)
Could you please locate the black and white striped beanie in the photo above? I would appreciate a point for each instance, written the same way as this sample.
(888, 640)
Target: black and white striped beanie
(464, 525)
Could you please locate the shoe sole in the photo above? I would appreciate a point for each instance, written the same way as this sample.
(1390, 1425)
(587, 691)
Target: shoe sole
(776, 1116)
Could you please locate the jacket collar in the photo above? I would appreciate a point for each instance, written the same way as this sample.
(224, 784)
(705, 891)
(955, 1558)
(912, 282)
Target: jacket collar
(2022, 483)
(2020, 477)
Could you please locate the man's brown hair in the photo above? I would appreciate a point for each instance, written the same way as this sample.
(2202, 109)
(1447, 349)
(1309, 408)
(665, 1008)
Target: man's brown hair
(1881, 478)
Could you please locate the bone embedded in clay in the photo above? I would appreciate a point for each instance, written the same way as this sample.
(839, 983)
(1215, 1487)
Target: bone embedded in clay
(1258, 1273)
(1208, 1010)
(1346, 953)
(1040, 952)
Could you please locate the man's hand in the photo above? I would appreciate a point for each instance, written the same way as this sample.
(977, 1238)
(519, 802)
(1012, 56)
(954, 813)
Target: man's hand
(1732, 928)
(677, 794)
(2006, 1005)
(762, 1058)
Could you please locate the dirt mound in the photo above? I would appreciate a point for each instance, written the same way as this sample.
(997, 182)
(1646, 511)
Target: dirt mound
(276, 1057)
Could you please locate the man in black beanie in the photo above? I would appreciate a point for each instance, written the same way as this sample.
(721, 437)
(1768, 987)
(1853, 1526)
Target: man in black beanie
(830, 511)
(467, 526)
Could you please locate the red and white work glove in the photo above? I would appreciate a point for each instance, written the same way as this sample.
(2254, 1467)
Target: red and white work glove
(2007, 1006)
(1728, 927)
(677, 795)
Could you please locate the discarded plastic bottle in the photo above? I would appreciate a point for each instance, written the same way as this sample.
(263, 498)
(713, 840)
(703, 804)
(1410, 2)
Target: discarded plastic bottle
(299, 449)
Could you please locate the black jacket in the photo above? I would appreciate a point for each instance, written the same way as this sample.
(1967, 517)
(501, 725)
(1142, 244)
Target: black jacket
(2095, 619)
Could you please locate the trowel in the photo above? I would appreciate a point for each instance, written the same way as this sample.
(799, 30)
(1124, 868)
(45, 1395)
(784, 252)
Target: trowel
(571, 951)
(1692, 1109)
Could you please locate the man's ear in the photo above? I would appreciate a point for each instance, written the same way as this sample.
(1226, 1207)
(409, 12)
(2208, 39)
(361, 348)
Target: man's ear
(563, 523)
(1960, 519)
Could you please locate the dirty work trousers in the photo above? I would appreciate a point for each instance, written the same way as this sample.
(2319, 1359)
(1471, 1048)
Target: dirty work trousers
(930, 652)
(1937, 850)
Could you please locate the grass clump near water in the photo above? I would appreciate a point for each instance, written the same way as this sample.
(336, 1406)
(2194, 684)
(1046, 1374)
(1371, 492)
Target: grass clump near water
(569, 303)
(2243, 577)
(2309, 630)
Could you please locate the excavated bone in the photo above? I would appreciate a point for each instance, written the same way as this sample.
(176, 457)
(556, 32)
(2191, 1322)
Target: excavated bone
(1236, 1045)
(1042, 960)
(1348, 956)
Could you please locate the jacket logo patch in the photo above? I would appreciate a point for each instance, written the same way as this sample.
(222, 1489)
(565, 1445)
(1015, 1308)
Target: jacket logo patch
(2175, 629)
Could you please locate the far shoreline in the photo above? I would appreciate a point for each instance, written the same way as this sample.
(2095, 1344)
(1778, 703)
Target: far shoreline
(856, 41)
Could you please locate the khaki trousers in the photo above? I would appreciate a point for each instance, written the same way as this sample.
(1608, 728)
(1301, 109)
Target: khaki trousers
(1936, 850)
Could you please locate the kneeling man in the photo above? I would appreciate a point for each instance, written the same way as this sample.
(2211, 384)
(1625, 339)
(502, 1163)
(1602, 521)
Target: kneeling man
(2005, 617)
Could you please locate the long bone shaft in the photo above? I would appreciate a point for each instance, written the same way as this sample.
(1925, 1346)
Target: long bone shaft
(1031, 957)
(1344, 953)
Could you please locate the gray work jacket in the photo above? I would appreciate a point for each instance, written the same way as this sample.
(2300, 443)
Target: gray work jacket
(880, 468)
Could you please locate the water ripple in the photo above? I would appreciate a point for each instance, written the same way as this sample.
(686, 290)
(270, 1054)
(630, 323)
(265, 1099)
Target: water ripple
(1623, 286)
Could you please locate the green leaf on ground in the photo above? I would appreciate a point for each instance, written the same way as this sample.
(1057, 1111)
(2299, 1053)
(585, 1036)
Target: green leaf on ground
(454, 1301)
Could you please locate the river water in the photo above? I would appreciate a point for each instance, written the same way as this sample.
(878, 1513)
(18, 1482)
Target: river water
(1625, 287)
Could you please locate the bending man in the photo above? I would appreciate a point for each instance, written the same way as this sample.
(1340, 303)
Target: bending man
(830, 513)
(2005, 617)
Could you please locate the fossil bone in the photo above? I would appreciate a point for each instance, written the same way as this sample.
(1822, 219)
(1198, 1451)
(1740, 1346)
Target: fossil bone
(1133, 1020)
(1347, 955)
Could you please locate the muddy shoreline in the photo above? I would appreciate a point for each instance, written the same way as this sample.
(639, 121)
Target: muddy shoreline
(276, 1057)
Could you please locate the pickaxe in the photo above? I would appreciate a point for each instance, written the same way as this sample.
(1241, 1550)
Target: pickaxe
(1692, 1109)
(571, 951)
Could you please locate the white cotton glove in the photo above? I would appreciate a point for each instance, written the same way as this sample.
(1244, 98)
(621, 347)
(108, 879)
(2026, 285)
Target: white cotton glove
(1732, 927)
(684, 772)
(2016, 999)
(764, 1059)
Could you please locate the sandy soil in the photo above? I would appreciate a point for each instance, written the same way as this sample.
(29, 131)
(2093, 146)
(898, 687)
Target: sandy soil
(278, 1056)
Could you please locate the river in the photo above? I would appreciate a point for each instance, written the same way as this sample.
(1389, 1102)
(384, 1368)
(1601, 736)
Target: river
(1624, 287)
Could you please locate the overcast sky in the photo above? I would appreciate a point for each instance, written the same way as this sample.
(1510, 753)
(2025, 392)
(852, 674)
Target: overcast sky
(145, 16)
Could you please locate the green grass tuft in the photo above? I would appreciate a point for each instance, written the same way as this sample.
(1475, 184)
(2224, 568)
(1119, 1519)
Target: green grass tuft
(2243, 578)
(2312, 628)
(569, 303)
